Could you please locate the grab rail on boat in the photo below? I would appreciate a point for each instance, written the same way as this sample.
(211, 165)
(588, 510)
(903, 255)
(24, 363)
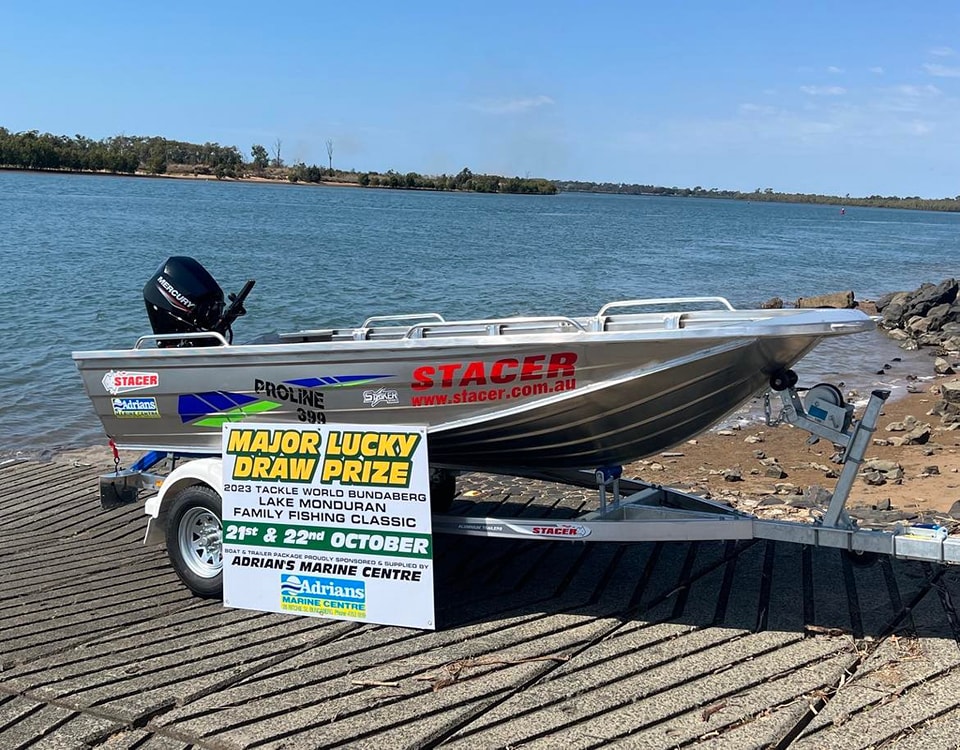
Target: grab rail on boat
(494, 327)
(663, 301)
(155, 337)
(413, 316)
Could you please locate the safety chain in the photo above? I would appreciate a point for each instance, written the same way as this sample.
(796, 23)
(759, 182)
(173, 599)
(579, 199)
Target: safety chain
(116, 456)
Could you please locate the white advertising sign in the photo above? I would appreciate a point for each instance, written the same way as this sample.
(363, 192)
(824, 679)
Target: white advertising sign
(328, 521)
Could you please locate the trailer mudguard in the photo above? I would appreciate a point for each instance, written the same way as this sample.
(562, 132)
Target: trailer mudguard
(208, 471)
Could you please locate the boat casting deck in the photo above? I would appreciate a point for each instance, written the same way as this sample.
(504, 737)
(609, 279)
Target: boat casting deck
(541, 644)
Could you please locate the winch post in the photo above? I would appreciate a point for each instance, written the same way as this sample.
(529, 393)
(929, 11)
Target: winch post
(836, 515)
(853, 442)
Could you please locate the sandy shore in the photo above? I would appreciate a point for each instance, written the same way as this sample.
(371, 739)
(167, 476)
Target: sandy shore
(926, 491)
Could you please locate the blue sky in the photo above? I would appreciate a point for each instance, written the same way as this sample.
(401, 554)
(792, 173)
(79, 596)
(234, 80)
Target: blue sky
(817, 97)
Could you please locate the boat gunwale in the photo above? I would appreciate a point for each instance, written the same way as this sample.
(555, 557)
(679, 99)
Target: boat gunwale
(818, 323)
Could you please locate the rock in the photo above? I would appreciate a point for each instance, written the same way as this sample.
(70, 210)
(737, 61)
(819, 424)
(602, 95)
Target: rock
(759, 455)
(775, 471)
(725, 433)
(879, 464)
(930, 471)
(882, 504)
(951, 343)
(942, 367)
(818, 495)
(785, 488)
(917, 324)
(893, 310)
(929, 296)
(842, 300)
(774, 303)
(943, 408)
(938, 316)
(954, 511)
(917, 436)
(753, 439)
(875, 478)
(732, 475)
(908, 423)
(882, 517)
(886, 299)
(951, 391)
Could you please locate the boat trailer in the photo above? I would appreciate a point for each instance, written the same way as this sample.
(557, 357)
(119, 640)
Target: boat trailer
(629, 510)
(653, 513)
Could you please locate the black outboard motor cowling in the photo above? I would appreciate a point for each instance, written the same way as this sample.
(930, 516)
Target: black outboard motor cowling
(182, 297)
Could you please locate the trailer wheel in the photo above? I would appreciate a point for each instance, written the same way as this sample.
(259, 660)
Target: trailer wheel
(860, 559)
(443, 488)
(195, 540)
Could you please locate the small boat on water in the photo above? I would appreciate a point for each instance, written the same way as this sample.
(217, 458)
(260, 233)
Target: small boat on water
(508, 395)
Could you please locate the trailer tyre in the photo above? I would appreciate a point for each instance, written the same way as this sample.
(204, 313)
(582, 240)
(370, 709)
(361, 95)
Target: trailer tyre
(860, 559)
(443, 489)
(195, 540)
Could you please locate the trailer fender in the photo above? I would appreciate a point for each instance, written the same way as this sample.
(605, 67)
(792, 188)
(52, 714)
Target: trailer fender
(206, 471)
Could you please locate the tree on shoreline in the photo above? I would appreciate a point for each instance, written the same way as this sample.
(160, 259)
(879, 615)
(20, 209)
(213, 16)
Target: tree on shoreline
(260, 158)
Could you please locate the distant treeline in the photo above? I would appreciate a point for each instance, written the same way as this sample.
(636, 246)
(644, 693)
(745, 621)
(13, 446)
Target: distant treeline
(464, 180)
(765, 194)
(121, 154)
(159, 156)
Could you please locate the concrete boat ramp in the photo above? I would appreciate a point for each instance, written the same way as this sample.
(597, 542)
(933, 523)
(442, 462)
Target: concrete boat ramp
(540, 644)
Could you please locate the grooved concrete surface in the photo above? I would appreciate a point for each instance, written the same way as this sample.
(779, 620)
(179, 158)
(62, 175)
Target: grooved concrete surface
(541, 644)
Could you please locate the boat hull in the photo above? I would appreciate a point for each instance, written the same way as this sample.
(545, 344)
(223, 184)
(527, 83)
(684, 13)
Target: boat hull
(553, 399)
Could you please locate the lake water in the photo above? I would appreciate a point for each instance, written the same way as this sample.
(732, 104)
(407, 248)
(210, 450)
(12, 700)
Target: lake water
(76, 251)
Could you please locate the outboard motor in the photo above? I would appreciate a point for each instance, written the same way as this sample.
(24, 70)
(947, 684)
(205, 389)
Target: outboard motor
(182, 297)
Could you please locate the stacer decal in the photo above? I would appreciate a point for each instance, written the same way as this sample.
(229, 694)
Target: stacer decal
(123, 381)
(533, 367)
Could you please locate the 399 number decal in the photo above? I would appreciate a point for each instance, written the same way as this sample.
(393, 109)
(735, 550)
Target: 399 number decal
(311, 417)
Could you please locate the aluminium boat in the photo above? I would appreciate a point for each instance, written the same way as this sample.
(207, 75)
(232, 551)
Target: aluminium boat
(508, 395)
